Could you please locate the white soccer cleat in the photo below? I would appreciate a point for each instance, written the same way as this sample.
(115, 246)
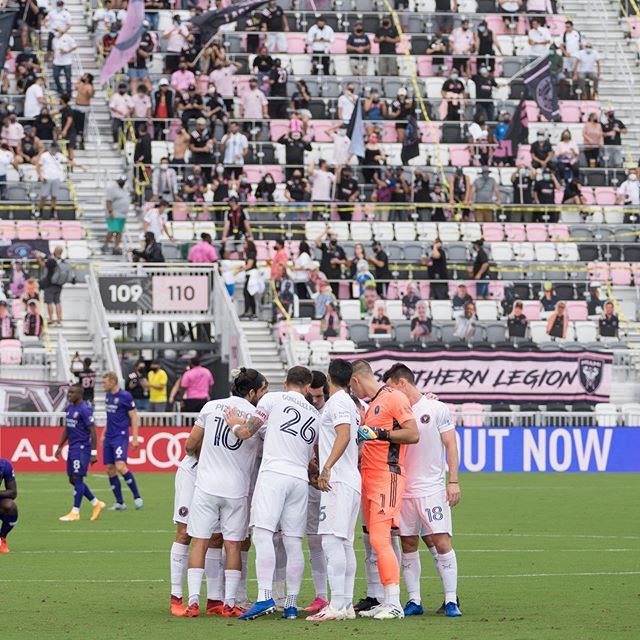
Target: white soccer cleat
(139, 502)
(349, 613)
(117, 506)
(388, 612)
(369, 613)
(328, 613)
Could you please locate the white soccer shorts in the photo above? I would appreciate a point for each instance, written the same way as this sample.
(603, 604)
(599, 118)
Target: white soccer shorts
(185, 484)
(425, 515)
(313, 511)
(280, 504)
(214, 514)
(339, 510)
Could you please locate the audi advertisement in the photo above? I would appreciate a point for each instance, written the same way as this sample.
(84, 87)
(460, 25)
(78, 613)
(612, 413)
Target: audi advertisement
(32, 449)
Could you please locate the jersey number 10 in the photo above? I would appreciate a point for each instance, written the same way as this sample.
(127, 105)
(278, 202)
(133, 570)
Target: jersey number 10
(221, 435)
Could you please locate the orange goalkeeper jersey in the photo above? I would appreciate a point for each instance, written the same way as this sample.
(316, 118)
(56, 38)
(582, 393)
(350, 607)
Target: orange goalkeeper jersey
(388, 409)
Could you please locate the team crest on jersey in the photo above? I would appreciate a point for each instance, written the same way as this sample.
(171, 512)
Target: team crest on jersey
(376, 410)
(425, 419)
(183, 512)
(75, 414)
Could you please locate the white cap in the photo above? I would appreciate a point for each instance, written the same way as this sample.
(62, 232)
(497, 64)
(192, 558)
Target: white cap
(163, 82)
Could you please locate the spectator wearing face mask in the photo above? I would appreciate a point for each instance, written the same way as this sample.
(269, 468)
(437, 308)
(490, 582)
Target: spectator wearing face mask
(323, 182)
(567, 155)
(387, 38)
(347, 190)
(586, 71)
(541, 152)
(319, 39)
(401, 108)
(346, 103)
(438, 47)
(629, 193)
(485, 191)
(613, 128)
(176, 38)
(522, 181)
(485, 84)
(294, 147)
(358, 48)
(453, 93)
(460, 190)
(138, 386)
(462, 43)
(203, 251)
(544, 194)
(539, 38)
(236, 148)
(437, 196)
(297, 189)
(374, 111)
(333, 258)
(266, 188)
(593, 139)
(486, 46)
(164, 182)
(121, 108)
(502, 126)
(118, 203)
(195, 185)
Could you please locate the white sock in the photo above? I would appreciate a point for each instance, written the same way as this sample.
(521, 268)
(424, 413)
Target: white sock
(242, 587)
(280, 569)
(75, 509)
(231, 582)
(374, 586)
(265, 562)
(449, 575)
(411, 572)
(318, 565)
(295, 567)
(392, 595)
(214, 572)
(336, 568)
(436, 562)
(94, 502)
(194, 583)
(350, 576)
(178, 561)
(397, 549)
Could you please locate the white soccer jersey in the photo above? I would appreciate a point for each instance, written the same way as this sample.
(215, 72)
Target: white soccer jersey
(340, 409)
(225, 464)
(290, 431)
(424, 463)
(189, 463)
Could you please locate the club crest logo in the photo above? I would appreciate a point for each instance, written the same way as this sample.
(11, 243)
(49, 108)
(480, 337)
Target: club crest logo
(591, 371)
(183, 512)
(425, 419)
(376, 410)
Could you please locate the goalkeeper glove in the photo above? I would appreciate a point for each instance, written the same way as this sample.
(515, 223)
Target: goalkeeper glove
(372, 433)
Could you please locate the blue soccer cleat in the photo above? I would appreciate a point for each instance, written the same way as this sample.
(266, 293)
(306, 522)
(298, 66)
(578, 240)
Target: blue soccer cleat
(451, 610)
(290, 613)
(413, 609)
(262, 608)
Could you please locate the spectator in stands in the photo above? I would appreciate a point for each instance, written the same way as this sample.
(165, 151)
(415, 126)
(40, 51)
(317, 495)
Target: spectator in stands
(141, 106)
(58, 21)
(444, 23)
(629, 193)
(608, 324)
(176, 36)
(51, 174)
(595, 303)
(380, 325)
(118, 202)
(324, 297)
(138, 66)
(437, 197)
(323, 182)
(522, 181)
(330, 323)
(109, 40)
(517, 322)
(510, 8)
(613, 129)
(479, 138)
(567, 155)
(480, 270)
(164, 183)
(593, 140)
(374, 112)
(346, 103)
(68, 132)
(333, 257)
(261, 67)
(63, 48)
(103, 18)
(380, 261)
(45, 127)
(401, 108)
(573, 192)
(85, 374)
(539, 38)
(183, 78)
(558, 322)
(453, 94)
(358, 48)
(570, 46)
(252, 23)
(121, 108)
(280, 257)
(163, 108)
(587, 71)
(373, 155)
(253, 106)
(387, 38)
(460, 299)
(503, 125)
(156, 220)
(466, 323)
(295, 146)
(237, 228)
(320, 37)
(7, 326)
(275, 23)
(438, 47)
(138, 386)
(196, 386)
(12, 132)
(52, 290)
(158, 379)
(203, 251)
(277, 80)
(33, 323)
(485, 191)
(541, 152)
(7, 159)
(236, 148)
(347, 190)
(486, 46)
(31, 291)
(84, 94)
(297, 189)
(544, 195)
(421, 323)
(222, 78)
(437, 270)
(253, 281)
(485, 84)
(509, 297)
(34, 99)
(17, 280)
(300, 270)
(549, 298)
(410, 300)
(370, 299)
(189, 105)
(142, 153)
(462, 42)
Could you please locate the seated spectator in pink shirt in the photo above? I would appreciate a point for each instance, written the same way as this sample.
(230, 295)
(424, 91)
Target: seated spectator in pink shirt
(196, 386)
(203, 251)
(281, 257)
(182, 78)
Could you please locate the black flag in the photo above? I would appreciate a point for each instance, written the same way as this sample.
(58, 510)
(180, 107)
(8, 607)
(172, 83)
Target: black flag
(411, 142)
(517, 133)
(537, 78)
(211, 21)
(7, 19)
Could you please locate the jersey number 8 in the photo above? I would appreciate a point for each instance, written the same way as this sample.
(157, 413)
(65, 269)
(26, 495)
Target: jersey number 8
(307, 432)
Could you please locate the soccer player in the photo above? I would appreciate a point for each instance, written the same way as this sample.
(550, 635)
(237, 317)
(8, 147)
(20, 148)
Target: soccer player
(8, 506)
(339, 480)
(80, 431)
(289, 426)
(427, 500)
(318, 393)
(121, 415)
(222, 486)
(390, 424)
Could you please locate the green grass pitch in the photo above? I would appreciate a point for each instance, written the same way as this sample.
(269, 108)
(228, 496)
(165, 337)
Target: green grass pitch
(540, 556)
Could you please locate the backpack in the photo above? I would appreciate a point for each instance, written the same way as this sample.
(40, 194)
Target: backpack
(63, 274)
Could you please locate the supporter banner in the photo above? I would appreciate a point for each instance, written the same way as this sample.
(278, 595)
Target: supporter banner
(32, 449)
(127, 41)
(211, 21)
(492, 376)
(549, 449)
(538, 79)
(21, 249)
(32, 396)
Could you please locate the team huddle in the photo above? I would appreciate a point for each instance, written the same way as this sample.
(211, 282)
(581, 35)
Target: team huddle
(308, 461)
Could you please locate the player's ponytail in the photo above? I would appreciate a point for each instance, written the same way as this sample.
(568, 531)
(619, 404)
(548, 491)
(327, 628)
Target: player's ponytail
(246, 380)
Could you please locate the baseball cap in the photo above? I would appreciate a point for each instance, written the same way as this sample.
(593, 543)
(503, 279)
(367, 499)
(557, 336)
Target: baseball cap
(32, 301)
(201, 121)
(402, 91)
(163, 82)
(121, 178)
(547, 286)
(595, 284)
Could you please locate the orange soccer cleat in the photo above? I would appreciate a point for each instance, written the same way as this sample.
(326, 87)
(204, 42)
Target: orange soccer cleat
(192, 611)
(97, 510)
(3, 546)
(231, 612)
(214, 607)
(70, 517)
(176, 607)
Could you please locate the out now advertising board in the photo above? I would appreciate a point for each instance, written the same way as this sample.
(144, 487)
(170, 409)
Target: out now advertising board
(482, 449)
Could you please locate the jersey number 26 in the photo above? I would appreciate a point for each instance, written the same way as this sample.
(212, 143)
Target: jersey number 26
(307, 432)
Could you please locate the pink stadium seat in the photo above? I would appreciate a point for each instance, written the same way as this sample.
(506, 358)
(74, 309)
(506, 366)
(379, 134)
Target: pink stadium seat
(358, 214)
(27, 230)
(524, 155)
(296, 42)
(459, 155)
(555, 24)
(180, 211)
(278, 128)
(7, 230)
(254, 173)
(72, 230)
(492, 232)
(588, 195)
(496, 290)
(389, 133)
(533, 113)
(402, 287)
(536, 233)
(621, 274)
(314, 332)
(514, 232)
(634, 26)
(531, 309)
(343, 291)
(262, 252)
(17, 308)
(339, 45)
(424, 66)
(425, 290)
(242, 84)
(392, 291)
(10, 352)
(588, 107)
(50, 230)
(173, 130)
(472, 414)
(558, 232)
(453, 287)
(577, 310)
(496, 24)
(523, 26)
(605, 196)
(203, 84)
(570, 112)
(320, 130)
(598, 271)
(430, 132)
(558, 195)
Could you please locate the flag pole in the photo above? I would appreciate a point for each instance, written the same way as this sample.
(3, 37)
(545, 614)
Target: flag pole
(524, 69)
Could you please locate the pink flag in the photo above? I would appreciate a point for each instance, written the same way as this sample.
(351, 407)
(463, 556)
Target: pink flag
(127, 41)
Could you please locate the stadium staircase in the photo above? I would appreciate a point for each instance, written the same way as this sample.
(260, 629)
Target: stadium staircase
(265, 352)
